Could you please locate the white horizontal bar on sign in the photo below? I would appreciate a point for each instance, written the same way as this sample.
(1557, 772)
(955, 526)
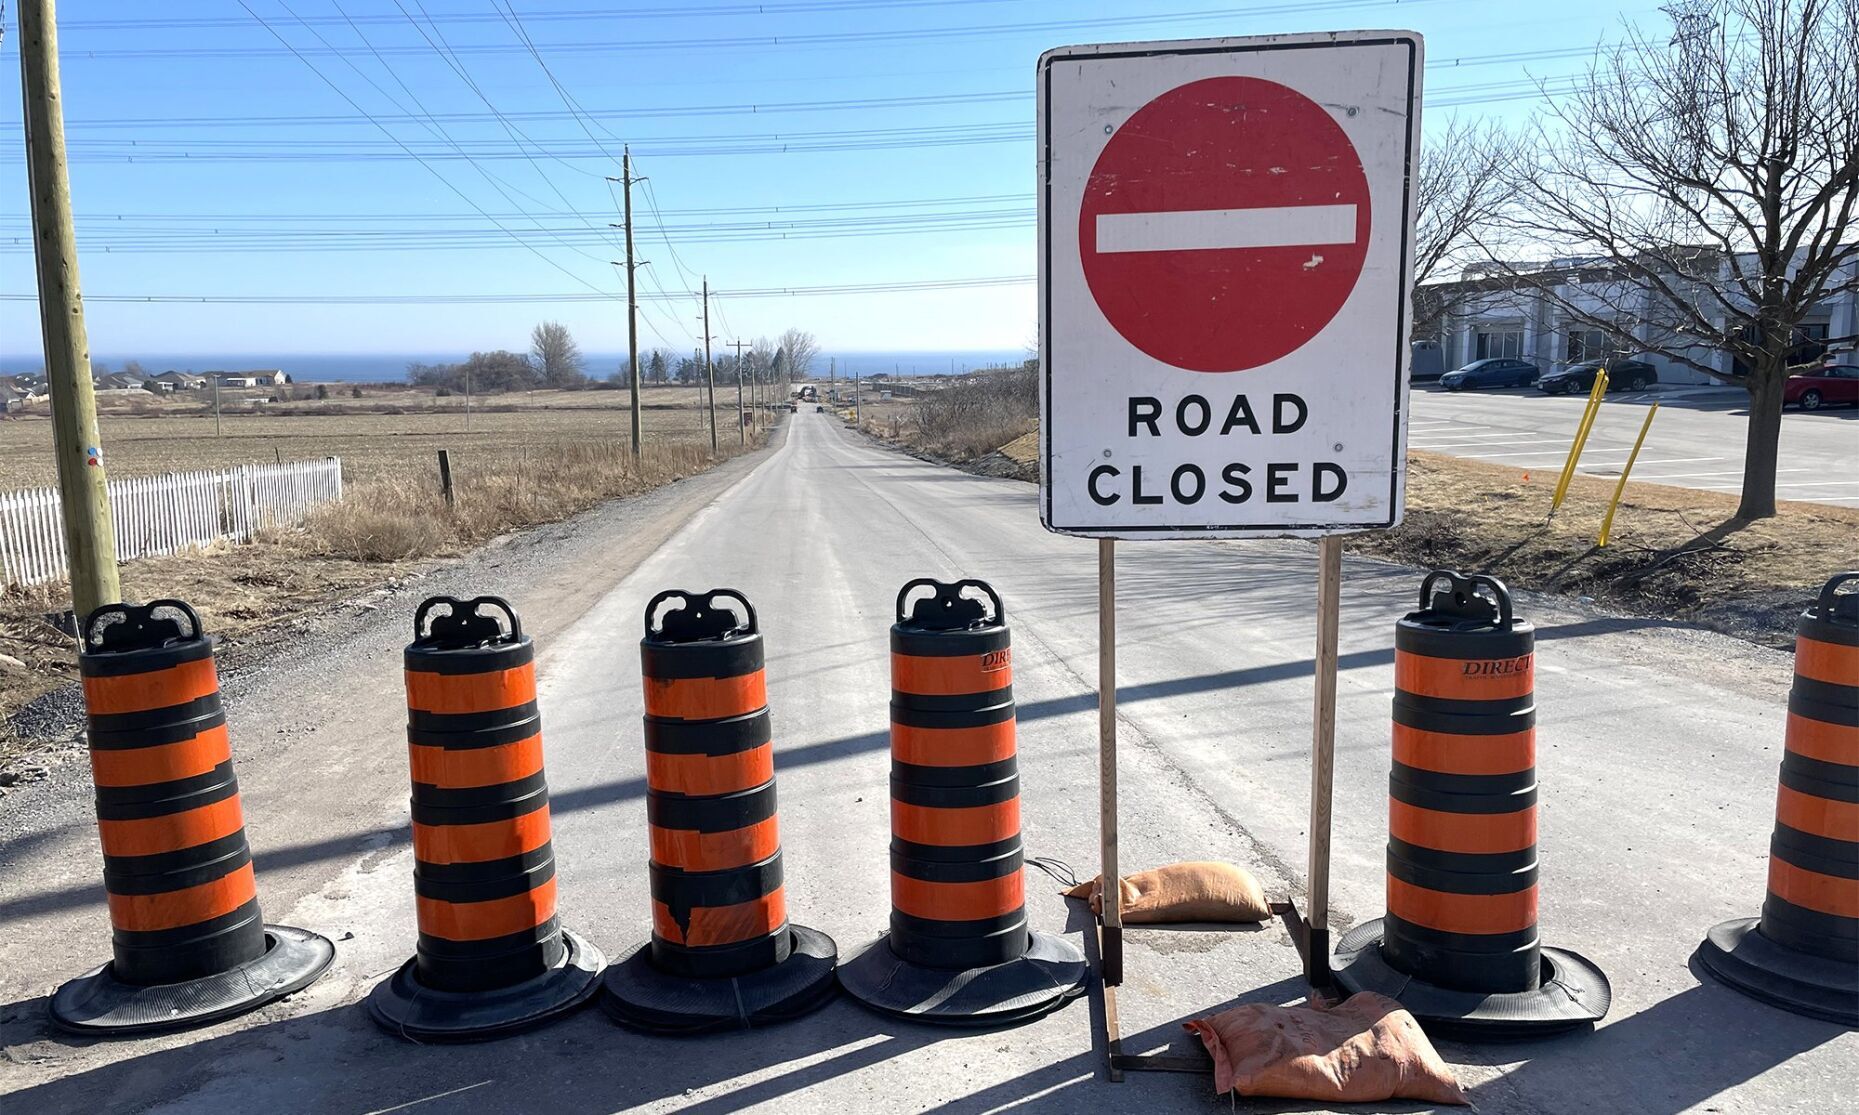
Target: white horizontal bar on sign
(1197, 230)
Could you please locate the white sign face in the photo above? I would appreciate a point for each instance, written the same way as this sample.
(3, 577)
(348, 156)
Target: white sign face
(1225, 271)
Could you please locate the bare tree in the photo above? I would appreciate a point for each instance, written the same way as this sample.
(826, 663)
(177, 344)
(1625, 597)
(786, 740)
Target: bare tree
(801, 350)
(1710, 179)
(556, 357)
(1461, 189)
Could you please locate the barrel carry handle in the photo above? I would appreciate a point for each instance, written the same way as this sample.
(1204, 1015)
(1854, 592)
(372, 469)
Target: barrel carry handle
(1833, 606)
(1464, 601)
(465, 624)
(700, 617)
(139, 628)
(949, 596)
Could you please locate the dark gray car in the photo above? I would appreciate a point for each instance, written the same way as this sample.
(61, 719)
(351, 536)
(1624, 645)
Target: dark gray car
(1493, 372)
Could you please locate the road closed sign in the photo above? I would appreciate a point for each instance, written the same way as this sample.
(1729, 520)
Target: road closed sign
(1225, 279)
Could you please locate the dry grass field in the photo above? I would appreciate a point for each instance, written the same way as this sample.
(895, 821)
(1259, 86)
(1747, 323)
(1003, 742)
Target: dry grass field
(389, 431)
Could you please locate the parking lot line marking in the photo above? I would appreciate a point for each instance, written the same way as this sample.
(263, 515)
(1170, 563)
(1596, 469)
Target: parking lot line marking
(1724, 472)
(1476, 444)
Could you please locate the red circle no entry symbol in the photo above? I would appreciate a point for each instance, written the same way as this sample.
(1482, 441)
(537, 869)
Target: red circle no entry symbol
(1224, 224)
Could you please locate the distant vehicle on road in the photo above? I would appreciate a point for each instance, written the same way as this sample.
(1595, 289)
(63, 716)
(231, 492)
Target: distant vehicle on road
(1836, 383)
(1622, 375)
(821, 409)
(1493, 372)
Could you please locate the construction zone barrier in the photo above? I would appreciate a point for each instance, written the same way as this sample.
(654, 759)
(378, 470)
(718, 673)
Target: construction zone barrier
(1459, 947)
(492, 957)
(189, 945)
(959, 951)
(722, 953)
(1802, 954)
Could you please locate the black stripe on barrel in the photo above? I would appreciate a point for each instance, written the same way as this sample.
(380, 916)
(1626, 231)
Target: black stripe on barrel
(177, 870)
(1461, 859)
(718, 901)
(957, 878)
(484, 862)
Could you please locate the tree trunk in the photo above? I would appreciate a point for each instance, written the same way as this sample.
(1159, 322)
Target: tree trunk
(1762, 449)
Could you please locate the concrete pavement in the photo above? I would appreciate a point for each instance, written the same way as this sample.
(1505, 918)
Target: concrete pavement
(1695, 442)
(1658, 752)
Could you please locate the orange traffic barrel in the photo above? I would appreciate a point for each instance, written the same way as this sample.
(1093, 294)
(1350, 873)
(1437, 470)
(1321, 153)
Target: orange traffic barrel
(959, 951)
(722, 953)
(1458, 947)
(1802, 954)
(189, 944)
(491, 956)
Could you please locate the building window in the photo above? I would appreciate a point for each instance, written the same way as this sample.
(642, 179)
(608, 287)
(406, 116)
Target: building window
(1507, 343)
(1588, 344)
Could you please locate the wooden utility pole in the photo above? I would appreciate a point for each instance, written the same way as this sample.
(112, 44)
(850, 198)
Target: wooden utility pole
(90, 537)
(742, 433)
(709, 372)
(632, 300)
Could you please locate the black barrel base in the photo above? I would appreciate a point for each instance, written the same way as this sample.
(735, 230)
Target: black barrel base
(1050, 974)
(405, 1008)
(639, 996)
(1739, 955)
(101, 1005)
(1574, 993)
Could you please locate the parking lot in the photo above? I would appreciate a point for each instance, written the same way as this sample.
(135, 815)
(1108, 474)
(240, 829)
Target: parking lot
(1695, 442)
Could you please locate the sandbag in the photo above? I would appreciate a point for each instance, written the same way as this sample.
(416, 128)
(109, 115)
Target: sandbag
(1202, 890)
(1365, 1049)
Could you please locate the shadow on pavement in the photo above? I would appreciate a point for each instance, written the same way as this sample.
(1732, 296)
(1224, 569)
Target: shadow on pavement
(1671, 1057)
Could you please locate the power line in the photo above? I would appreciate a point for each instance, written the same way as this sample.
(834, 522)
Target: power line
(826, 289)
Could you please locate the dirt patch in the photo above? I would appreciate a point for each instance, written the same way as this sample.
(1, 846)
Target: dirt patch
(1674, 552)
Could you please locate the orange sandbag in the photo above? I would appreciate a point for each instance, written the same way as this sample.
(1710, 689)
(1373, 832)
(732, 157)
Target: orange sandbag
(1365, 1049)
(1204, 890)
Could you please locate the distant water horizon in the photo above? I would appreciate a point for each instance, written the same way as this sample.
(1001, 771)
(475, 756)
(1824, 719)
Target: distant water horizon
(386, 367)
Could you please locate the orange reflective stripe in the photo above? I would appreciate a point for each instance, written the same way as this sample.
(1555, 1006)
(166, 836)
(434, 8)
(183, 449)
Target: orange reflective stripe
(479, 921)
(954, 828)
(954, 676)
(1462, 832)
(145, 766)
(1454, 754)
(478, 843)
(1832, 663)
(710, 774)
(1823, 740)
(715, 851)
(175, 685)
(705, 698)
(952, 747)
(186, 829)
(146, 913)
(723, 925)
(476, 766)
(1826, 894)
(1467, 679)
(486, 692)
(989, 898)
(1462, 913)
(1835, 820)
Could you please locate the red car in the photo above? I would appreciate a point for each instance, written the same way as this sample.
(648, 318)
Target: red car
(1837, 383)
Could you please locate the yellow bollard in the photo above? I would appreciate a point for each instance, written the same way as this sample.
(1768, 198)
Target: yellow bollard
(1607, 524)
(1581, 439)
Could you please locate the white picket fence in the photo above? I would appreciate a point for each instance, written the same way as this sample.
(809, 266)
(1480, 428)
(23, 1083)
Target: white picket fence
(165, 514)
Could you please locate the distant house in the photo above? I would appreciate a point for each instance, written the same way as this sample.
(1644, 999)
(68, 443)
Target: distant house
(116, 383)
(234, 379)
(266, 377)
(183, 381)
(11, 398)
(155, 385)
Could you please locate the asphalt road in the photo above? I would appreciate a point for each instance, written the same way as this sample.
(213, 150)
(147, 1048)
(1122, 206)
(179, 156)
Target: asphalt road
(1695, 442)
(1658, 755)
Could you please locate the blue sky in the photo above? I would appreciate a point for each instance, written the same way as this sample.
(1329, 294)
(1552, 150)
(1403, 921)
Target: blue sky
(898, 121)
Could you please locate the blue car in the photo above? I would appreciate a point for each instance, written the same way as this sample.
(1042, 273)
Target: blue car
(1495, 372)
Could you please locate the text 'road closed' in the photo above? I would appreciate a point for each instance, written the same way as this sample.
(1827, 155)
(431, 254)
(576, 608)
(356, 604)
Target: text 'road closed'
(1239, 480)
